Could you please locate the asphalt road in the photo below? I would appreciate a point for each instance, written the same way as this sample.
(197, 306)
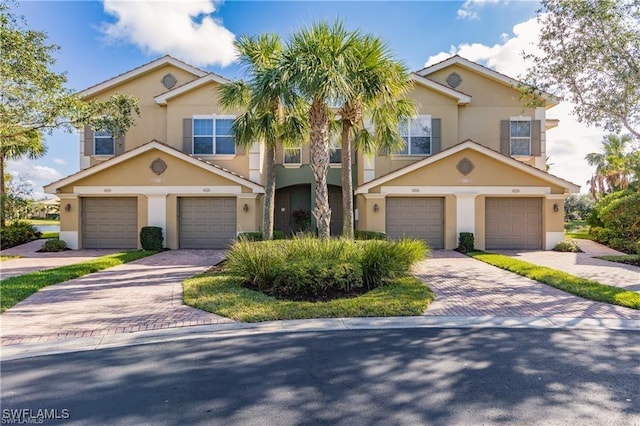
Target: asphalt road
(407, 376)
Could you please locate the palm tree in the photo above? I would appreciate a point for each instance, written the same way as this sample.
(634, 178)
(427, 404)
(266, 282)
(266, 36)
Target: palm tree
(613, 165)
(379, 84)
(318, 63)
(273, 114)
(27, 144)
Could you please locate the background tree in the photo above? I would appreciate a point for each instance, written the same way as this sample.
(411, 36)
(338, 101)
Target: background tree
(317, 63)
(273, 114)
(379, 84)
(615, 165)
(578, 206)
(34, 99)
(591, 57)
(18, 197)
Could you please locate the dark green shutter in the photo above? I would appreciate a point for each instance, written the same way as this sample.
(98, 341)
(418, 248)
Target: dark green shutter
(505, 137)
(536, 144)
(187, 136)
(436, 136)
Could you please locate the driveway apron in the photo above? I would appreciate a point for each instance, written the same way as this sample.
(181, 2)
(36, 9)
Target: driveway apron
(142, 295)
(468, 287)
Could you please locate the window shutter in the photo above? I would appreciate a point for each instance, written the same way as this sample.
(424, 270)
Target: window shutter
(536, 132)
(505, 137)
(88, 141)
(187, 136)
(119, 145)
(436, 135)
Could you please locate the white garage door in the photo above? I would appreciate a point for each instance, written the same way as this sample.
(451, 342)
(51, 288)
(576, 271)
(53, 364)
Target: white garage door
(513, 223)
(417, 218)
(110, 222)
(207, 222)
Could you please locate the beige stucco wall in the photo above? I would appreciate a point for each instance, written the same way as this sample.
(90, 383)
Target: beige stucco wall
(487, 172)
(152, 121)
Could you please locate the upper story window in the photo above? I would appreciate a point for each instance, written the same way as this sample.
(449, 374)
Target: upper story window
(103, 143)
(292, 155)
(520, 137)
(335, 151)
(212, 136)
(416, 133)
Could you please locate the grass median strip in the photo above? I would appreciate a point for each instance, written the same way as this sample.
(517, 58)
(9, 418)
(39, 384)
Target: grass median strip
(629, 259)
(16, 289)
(223, 294)
(561, 280)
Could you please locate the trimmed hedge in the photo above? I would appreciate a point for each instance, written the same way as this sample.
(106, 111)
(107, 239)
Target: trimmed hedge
(151, 238)
(257, 236)
(17, 233)
(567, 246)
(369, 235)
(466, 242)
(53, 245)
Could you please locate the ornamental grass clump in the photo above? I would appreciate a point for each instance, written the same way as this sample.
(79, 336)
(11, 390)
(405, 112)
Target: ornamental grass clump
(308, 268)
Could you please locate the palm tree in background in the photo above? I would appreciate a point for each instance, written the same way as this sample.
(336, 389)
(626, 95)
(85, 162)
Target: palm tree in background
(614, 165)
(273, 114)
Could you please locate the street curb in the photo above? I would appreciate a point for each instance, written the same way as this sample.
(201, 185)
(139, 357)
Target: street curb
(15, 352)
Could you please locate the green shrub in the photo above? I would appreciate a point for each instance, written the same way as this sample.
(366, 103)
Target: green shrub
(151, 238)
(369, 235)
(316, 279)
(638, 247)
(261, 263)
(17, 233)
(53, 245)
(567, 246)
(383, 260)
(615, 220)
(466, 242)
(257, 236)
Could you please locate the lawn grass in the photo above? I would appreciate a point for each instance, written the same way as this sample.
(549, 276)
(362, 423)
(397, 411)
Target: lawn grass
(570, 283)
(37, 222)
(9, 257)
(629, 259)
(224, 294)
(577, 229)
(47, 235)
(16, 289)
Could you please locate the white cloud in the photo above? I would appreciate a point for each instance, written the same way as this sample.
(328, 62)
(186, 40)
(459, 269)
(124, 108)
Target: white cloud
(469, 9)
(568, 143)
(60, 161)
(37, 175)
(184, 29)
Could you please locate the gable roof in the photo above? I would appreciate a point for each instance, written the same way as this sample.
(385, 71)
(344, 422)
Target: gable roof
(164, 97)
(462, 98)
(154, 144)
(149, 66)
(486, 71)
(469, 144)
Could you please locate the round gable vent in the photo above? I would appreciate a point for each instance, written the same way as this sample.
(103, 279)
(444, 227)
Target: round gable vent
(454, 80)
(465, 166)
(169, 81)
(158, 166)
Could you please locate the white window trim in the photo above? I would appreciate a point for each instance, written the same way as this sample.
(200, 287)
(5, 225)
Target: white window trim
(519, 118)
(335, 146)
(113, 140)
(284, 156)
(409, 154)
(213, 117)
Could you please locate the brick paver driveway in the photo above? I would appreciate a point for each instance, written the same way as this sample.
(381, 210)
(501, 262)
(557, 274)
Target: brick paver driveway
(465, 286)
(142, 295)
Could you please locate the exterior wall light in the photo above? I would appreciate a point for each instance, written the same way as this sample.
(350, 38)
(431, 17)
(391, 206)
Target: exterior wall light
(67, 208)
(376, 208)
(245, 208)
(556, 208)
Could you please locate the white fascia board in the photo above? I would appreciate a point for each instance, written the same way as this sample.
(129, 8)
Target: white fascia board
(52, 187)
(157, 190)
(141, 70)
(462, 98)
(163, 98)
(465, 190)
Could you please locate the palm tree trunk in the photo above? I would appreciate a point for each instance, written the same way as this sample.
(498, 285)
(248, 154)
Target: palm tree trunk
(3, 192)
(347, 181)
(319, 149)
(269, 194)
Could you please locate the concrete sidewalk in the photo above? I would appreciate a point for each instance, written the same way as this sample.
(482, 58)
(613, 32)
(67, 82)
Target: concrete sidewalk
(32, 260)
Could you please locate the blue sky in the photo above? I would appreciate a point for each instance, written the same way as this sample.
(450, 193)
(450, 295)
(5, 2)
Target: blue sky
(101, 39)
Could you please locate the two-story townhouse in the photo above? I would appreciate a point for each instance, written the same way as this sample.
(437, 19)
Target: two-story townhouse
(474, 162)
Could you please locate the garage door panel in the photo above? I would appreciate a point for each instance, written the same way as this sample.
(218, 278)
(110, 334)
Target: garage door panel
(417, 218)
(513, 223)
(110, 222)
(207, 222)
